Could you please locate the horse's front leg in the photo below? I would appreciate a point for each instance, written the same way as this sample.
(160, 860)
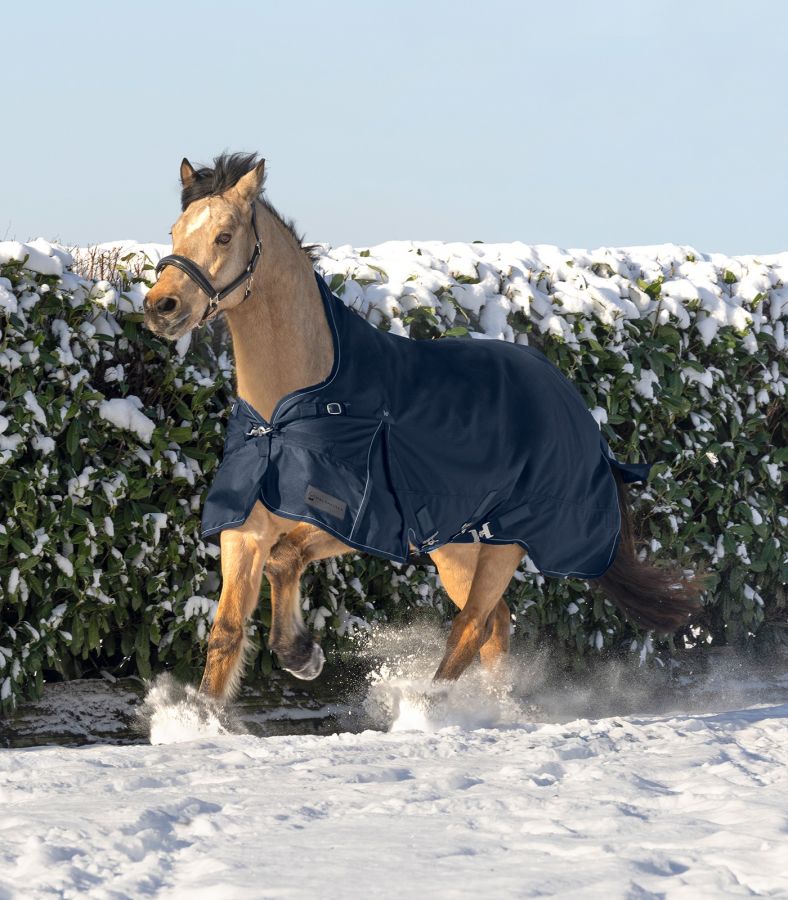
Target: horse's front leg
(295, 649)
(243, 553)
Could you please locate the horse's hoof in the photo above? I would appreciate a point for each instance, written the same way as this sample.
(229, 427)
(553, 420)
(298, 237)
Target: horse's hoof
(313, 666)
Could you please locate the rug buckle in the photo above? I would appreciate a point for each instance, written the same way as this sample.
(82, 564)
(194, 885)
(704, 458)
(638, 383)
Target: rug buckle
(432, 539)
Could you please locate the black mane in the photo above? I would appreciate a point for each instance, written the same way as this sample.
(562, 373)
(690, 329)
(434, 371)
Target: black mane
(228, 169)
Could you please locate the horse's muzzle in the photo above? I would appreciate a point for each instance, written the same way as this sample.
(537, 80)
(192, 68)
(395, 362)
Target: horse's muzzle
(164, 325)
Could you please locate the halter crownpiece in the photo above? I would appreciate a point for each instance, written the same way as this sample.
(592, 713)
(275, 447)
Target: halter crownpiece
(215, 297)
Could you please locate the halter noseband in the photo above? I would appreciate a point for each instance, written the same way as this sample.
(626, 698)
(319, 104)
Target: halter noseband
(202, 281)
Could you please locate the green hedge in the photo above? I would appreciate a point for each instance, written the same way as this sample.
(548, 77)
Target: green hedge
(101, 564)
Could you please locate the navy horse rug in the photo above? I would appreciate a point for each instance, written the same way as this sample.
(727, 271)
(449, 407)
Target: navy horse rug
(415, 444)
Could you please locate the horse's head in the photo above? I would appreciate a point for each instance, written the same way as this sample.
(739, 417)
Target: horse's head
(215, 247)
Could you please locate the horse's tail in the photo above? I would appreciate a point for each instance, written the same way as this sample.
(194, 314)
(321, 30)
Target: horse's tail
(658, 598)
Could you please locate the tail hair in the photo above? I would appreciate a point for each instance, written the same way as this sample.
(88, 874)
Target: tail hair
(659, 598)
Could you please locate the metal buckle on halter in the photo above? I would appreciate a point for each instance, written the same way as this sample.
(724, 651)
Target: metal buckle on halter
(248, 288)
(211, 312)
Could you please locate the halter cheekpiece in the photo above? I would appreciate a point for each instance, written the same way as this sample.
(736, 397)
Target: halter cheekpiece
(197, 275)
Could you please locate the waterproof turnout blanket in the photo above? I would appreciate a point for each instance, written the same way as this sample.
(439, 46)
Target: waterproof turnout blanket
(414, 444)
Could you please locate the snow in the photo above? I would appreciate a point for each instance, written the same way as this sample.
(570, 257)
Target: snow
(645, 384)
(104, 294)
(65, 565)
(7, 300)
(198, 605)
(623, 806)
(183, 343)
(41, 256)
(35, 408)
(599, 414)
(468, 792)
(63, 333)
(159, 521)
(124, 412)
(550, 285)
(554, 287)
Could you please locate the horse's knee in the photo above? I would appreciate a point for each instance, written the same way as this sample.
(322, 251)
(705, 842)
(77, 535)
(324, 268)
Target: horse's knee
(284, 562)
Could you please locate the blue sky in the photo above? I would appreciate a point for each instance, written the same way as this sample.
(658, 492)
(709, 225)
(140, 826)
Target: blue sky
(566, 122)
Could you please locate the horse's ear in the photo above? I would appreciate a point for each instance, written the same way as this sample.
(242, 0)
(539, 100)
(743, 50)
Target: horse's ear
(188, 175)
(249, 186)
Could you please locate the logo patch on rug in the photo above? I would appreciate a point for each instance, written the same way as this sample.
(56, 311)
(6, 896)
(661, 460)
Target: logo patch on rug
(325, 502)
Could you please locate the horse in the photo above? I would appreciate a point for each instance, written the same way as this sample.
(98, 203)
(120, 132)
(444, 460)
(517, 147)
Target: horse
(284, 344)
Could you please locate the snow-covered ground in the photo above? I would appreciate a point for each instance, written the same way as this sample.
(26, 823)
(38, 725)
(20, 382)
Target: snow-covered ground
(485, 791)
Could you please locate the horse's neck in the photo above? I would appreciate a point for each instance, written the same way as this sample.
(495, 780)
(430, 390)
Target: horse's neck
(281, 339)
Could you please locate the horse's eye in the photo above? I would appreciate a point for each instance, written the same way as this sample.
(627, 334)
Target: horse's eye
(224, 238)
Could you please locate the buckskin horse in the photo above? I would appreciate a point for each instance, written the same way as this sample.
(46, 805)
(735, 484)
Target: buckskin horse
(344, 437)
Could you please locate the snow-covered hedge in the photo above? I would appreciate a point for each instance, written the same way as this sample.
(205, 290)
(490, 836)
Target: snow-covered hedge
(108, 437)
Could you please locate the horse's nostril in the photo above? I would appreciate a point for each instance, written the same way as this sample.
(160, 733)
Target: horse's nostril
(167, 305)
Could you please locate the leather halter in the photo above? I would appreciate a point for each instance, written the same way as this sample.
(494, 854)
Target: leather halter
(197, 275)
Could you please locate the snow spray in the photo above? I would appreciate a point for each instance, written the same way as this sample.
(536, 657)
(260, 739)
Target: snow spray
(402, 696)
(177, 712)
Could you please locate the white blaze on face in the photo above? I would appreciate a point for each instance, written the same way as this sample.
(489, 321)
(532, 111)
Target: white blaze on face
(200, 219)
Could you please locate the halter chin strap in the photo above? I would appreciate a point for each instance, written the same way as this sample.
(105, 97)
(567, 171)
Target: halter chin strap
(203, 282)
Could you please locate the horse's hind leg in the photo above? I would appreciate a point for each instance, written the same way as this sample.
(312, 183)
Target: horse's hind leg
(289, 639)
(457, 564)
(244, 551)
(475, 577)
(496, 646)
